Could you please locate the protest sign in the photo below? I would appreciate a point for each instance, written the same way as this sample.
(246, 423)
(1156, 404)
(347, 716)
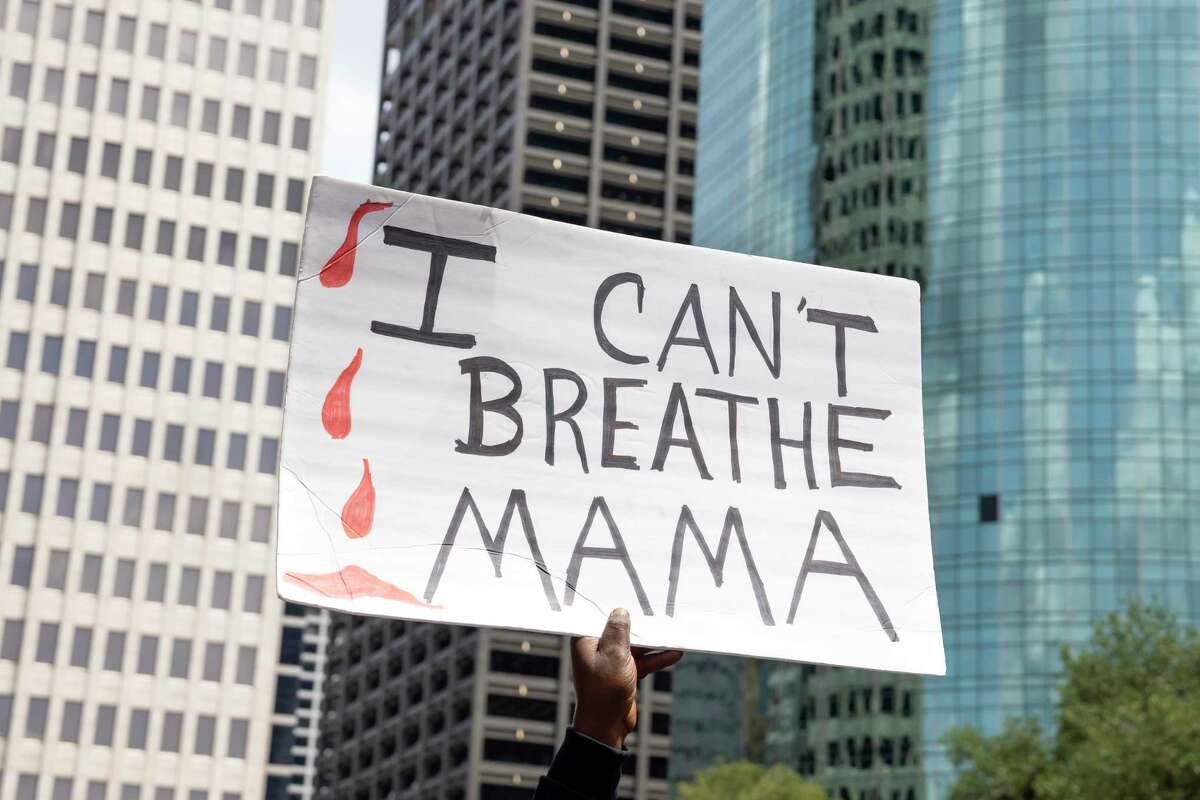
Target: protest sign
(496, 419)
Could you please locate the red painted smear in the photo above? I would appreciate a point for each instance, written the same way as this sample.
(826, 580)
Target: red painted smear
(351, 582)
(339, 269)
(359, 512)
(335, 413)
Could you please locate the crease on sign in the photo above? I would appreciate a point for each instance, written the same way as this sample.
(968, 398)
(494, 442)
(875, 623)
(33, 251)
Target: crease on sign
(362, 239)
(315, 498)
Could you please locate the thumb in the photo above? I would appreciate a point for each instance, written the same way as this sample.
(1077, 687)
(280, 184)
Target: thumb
(615, 639)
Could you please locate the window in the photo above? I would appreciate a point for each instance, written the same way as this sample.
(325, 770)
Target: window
(118, 361)
(281, 326)
(47, 643)
(93, 292)
(244, 387)
(150, 366)
(85, 92)
(27, 20)
(197, 518)
(56, 567)
(10, 150)
(114, 651)
(301, 128)
(106, 717)
(89, 576)
(101, 502)
(135, 231)
(307, 74)
(181, 104)
(234, 182)
(218, 48)
(189, 306)
(240, 127)
(18, 83)
(52, 86)
(68, 498)
(210, 117)
(189, 586)
(93, 28)
(164, 512)
(81, 647)
(312, 13)
(164, 243)
(43, 152)
(126, 296)
(264, 192)
(68, 731)
(187, 47)
(6, 209)
(68, 223)
(77, 155)
(172, 732)
(126, 31)
(989, 508)
(173, 174)
(102, 225)
(173, 443)
(222, 589)
(270, 127)
(181, 658)
(22, 566)
(246, 658)
(18, 349)
(236, 456)
(51, 354)
(8, 419)
(181, 375)
(10, 639)
(157, 46)
(35, 724)
(227, 248)
(214, 655)
(139, 724)
(238, 733)
(206, 727)
(202, 184)
(118, 97)
(252, 599)
(43, 415)
(150, 97)
(206, 441)
(230, 519)
(195, 243)
(60, 23)
(27, 280)
(135, 499)
(147, 662)
(295, 195)
(3, 491)
(218, 319)
(261, 530)
(31, 499)
(123, 578)
(35, 219)
(268, 455)
(251, 317)
(142, 161)
(213, 373)
(140, 445)
(277, 66)
(5, 713)
(247, 59)
(275, 385)
(283, 10)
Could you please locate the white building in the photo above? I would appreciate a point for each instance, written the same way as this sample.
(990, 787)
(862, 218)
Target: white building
(154, 156)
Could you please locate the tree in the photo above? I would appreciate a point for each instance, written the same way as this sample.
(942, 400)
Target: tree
(1128, 721)
(742, 780)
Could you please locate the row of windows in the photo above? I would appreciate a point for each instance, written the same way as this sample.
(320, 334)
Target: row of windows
(30, 17)
(141, 166)
(133, 510)
(63, 788)
(181, 106)
(138, 736)
(124, 576)
(145, 655)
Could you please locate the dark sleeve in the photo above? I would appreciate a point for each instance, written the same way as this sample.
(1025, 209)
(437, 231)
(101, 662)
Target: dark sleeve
(583, 769)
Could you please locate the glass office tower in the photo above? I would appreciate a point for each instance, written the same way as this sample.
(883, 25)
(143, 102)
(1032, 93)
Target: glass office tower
(1062, 336)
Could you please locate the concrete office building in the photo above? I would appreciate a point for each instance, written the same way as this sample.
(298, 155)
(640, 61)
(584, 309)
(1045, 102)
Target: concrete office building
(812, 149)
(584, 112)
(153, 163)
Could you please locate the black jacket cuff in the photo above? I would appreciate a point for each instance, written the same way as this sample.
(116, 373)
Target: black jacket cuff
(583, 768)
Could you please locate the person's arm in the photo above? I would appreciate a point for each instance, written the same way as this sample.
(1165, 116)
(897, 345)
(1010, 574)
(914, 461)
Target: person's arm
(606, 670)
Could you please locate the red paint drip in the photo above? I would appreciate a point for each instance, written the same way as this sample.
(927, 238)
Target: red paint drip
(351, 582)
(359, 512)
(335, 413)
(339, 269)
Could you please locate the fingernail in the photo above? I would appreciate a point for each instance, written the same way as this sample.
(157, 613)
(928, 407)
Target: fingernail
(619, 614)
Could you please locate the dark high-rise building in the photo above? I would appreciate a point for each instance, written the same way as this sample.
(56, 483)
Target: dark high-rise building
(583, 112)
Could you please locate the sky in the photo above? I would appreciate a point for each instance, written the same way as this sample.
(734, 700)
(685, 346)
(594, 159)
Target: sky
(352, 99)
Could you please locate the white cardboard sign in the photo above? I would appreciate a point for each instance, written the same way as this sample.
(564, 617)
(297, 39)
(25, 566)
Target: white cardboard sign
(495, 419)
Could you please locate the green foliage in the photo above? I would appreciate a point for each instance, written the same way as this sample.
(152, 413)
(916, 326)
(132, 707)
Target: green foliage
(1128, 723)
(742, 780)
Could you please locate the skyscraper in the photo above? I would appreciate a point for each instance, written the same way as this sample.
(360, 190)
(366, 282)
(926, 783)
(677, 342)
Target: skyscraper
(153, 163)
(812, 148)
(1061, 329)
(579, 111)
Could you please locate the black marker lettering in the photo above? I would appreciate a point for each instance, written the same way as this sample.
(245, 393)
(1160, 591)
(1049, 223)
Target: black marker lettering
(836, 476)
(551, 375)
(617, 552)
(494, 546)
(692, 302)
(737, 309)
(505, 406)
(610, 424)
(675, 403)
(848, 568)
(602, 291)
(840, 322)
(732, 400)
(716, 563)
(778, 443)
(439, 248)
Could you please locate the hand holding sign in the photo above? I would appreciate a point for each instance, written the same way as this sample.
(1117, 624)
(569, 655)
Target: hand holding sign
(499, 420)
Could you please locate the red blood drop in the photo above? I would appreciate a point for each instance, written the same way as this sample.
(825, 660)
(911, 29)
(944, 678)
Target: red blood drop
(335, 413)
(359, 512)
(350, 582)
(339, 269)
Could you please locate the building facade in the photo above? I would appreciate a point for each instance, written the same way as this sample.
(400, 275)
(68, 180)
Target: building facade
(1060, 311)
(154, 157)
(583, 112)
(812, 148)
